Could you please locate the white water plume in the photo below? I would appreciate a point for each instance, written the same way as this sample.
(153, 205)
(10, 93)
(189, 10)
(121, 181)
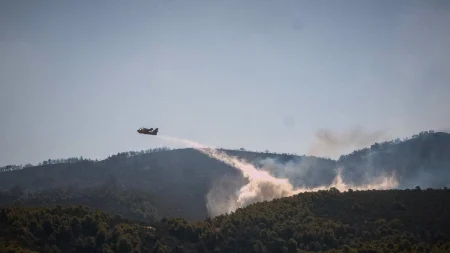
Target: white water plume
(261, 185)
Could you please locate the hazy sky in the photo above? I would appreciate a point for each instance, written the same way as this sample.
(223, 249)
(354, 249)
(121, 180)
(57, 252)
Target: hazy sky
(78, 78)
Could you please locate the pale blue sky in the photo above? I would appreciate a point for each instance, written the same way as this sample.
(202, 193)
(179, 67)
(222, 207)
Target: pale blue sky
(77, 78)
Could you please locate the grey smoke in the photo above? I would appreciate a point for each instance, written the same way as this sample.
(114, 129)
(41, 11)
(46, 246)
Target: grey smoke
(445, 130)
(301, 172)
(329, 143)
(222, 197)
(428, 179)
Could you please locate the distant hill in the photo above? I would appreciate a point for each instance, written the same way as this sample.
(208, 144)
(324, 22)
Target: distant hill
(179, 179)
(423, 160)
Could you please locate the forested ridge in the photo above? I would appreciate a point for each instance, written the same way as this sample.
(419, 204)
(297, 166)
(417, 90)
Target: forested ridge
(412, 220)
(173, 183)
(423, 159)
(181, 178)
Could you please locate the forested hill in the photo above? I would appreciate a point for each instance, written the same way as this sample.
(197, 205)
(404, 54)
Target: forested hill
(178, 180)
(325, 221)
(423, 160)
(180, 177)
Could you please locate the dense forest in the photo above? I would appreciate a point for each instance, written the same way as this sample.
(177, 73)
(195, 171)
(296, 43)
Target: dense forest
(413, 220)
(111, 198)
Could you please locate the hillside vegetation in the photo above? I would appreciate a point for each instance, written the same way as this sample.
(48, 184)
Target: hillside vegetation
(113, 199)
(325, 221)
(422, 160)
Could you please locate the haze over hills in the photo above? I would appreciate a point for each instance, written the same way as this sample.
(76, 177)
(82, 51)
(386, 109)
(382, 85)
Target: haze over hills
(182, 181)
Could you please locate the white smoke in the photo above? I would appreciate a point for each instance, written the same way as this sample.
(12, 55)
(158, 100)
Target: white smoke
(261, 185)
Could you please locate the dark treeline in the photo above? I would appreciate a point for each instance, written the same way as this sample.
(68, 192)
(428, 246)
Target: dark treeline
(111, 198)
(325, 221)
(120, 155)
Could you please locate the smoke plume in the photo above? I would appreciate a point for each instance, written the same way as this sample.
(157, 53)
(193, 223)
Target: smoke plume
(262, 186)
(330, 143)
